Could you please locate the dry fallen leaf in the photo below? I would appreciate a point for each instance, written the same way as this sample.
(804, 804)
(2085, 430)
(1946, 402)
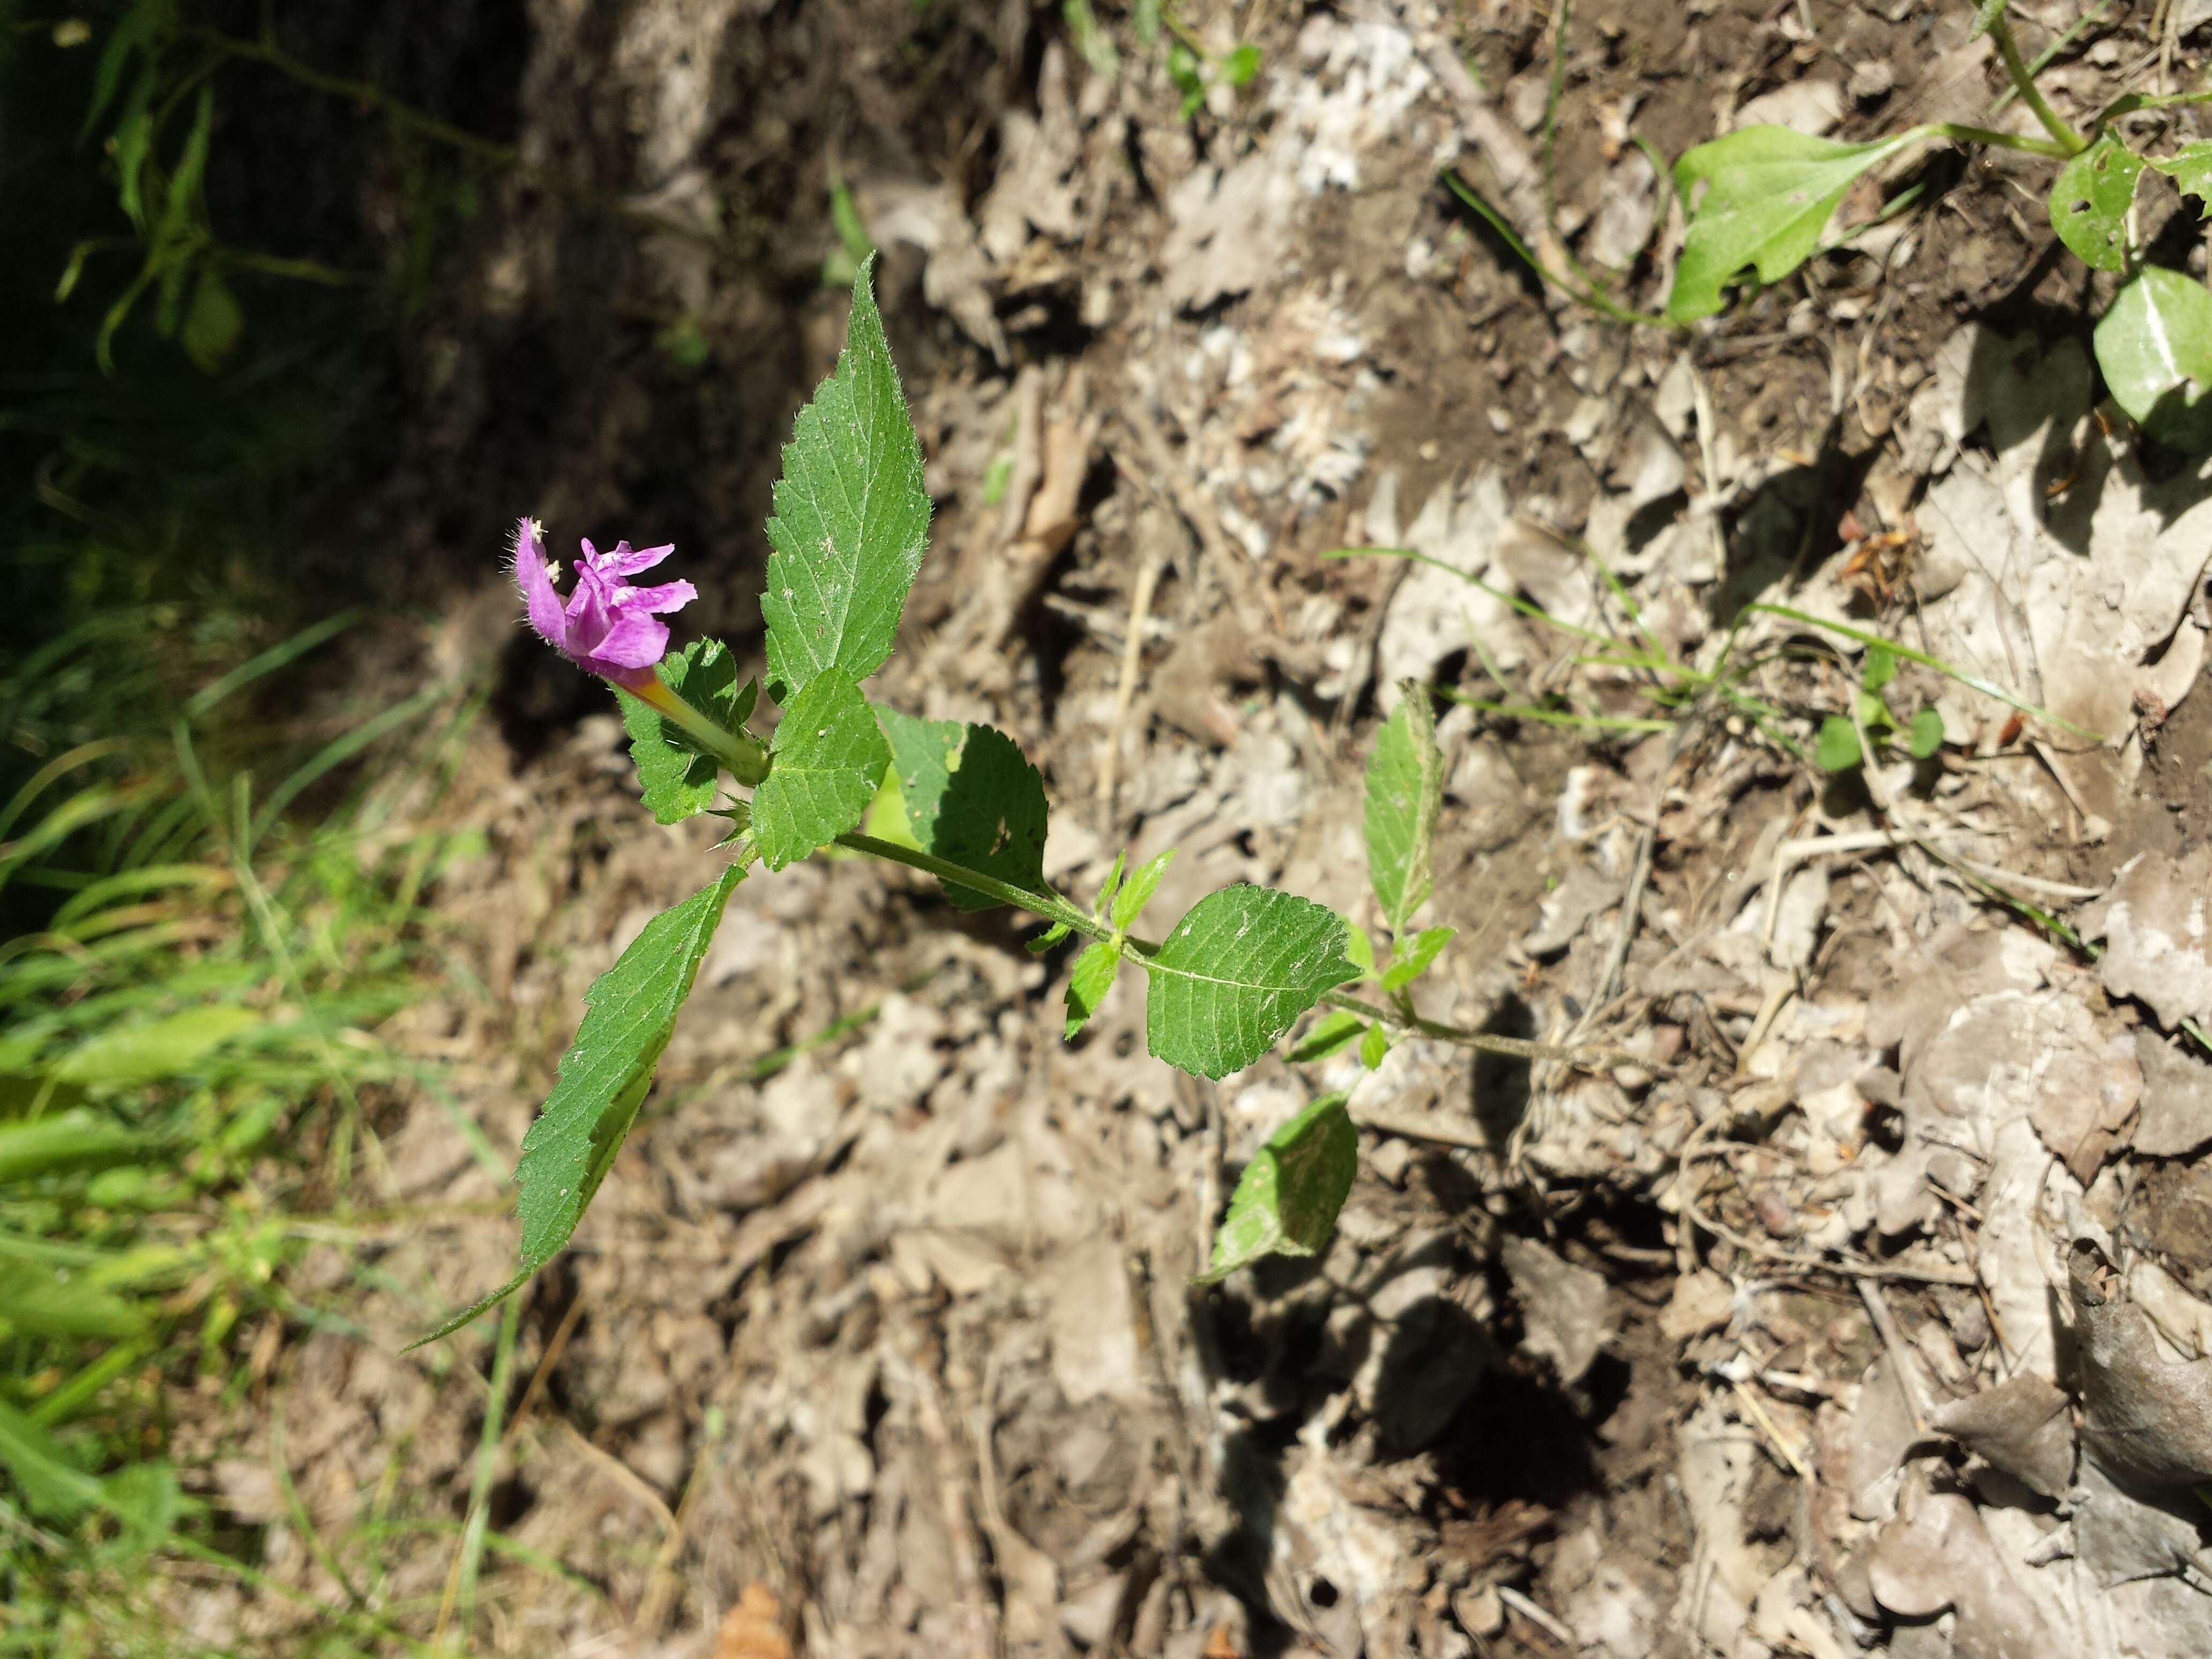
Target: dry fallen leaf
(754, 1628)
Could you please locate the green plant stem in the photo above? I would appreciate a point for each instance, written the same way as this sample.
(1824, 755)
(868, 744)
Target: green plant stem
(2023, 81)
(1960, 133)
(738, 751)
(2044, 60)
(1056, 908)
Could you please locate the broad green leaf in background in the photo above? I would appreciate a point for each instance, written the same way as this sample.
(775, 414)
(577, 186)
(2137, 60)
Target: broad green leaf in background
(676, 780)
(1405, 793)
(38, 1300)
(971, 796)
(1359, 950)
(1769, 194)
(1331, 1034)
(2090, 199)
(1413, 961)
(1836, 748)
(153, 1049)
(1137, 892)
(828, 756)
(851, 516)
(2154, 346)
(1089, 981)
(1236, 974)
(2191, 169)
(51, 1486)
(68, 1141)
(1925, 734)
(628, 1014)
(1287, 1200)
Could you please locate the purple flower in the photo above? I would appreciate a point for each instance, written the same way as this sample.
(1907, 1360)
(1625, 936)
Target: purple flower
(608, 627)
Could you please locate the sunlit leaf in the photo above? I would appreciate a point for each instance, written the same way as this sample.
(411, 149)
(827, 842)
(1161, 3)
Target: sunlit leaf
(2090, 200)
(1769, 194)
(1236, 973)
(2154, 346)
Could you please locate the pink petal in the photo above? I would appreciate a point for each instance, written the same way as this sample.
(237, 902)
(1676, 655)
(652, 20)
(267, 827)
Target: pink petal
(538, 590)
(634, 641)
(625, 562)
(669, 596)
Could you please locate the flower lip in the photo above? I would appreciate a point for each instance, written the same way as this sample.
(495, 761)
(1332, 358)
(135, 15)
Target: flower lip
(607, 626)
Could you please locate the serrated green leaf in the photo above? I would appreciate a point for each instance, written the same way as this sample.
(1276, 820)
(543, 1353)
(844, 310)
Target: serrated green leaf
(1405, 793)
(828, 756)
(971, 796)
(1837, 748)
(1051, 936)
(851, 518)
(2191, 169)
(1879, 669)
(1236, 973)
(1769, 194)
(1088, 982)
(676, 780)
(1925, 736)
(1137, 892)
(1373, 1045)
(1287, 1200)
(2090, 199)
(2154, 346)
(1413, 961)
(1331, 1034)
(629, 1014)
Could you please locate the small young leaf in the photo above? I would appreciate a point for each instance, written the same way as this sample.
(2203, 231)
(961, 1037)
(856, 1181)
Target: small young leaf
(213, 323)
(971, 796)
(1332, 1034)
(1088, 982)
(1112, 884)
(1879, 669)
(1412, 962)
(1770, 192)
(1874, 714)
(2154, 346)
(1359, 950)
(1925, 734)
(628, 1014)
(2191, 169)
(851, 517)
(1051, 936)
(1236, 973)
(1287, 1200)
(1137, 892)
(1405, 791)
(2090, 199)
(1240, 65)
(676, 780)
(828, 756)
(1837, 748)
(1373, 1046)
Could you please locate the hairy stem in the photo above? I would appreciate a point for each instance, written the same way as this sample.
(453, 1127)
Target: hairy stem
(2023, 81)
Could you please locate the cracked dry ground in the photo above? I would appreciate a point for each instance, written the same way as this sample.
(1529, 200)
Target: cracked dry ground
(1863, 1315)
